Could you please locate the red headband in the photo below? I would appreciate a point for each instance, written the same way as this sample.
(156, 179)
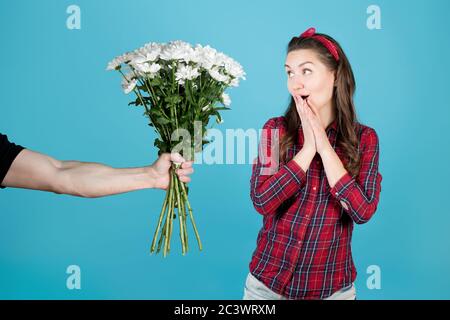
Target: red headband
(310, 33)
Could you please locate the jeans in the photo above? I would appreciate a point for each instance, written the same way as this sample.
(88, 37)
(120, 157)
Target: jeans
(256, 290)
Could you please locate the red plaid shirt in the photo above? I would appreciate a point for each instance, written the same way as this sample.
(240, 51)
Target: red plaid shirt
(304, 246)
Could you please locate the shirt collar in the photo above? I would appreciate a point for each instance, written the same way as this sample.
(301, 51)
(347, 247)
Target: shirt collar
(332, 126)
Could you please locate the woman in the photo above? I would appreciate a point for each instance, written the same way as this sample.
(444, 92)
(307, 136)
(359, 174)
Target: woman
(326, 179)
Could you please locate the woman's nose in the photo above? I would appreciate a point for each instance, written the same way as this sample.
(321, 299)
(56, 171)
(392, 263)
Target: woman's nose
(298, 85)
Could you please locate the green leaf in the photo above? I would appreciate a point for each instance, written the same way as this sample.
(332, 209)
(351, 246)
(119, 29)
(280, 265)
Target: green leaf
(162, 121)
(161, 146)
(222, 108)
(173, 99)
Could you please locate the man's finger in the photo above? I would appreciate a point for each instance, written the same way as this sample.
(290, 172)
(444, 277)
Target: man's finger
(185, 179)
(176, 157)
(187, 164)
(165, 156)
(183, 172)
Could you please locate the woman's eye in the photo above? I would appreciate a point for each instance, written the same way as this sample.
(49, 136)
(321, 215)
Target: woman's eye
(304, 71)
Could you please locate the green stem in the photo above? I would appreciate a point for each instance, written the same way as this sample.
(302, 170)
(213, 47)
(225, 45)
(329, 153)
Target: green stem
(136, 91)
(161, 216)
(191, 216)
(151, 92)
(168, 218)
(180, 216)
(173, 210)
(183, 211)
(161, 238)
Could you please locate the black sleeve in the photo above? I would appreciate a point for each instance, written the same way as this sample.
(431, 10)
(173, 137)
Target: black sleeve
(8, 152)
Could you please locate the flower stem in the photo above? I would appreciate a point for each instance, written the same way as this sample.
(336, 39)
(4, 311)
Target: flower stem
(183, 212)
(191, 216)
(161, 215)
(168, 217)
(180, 216)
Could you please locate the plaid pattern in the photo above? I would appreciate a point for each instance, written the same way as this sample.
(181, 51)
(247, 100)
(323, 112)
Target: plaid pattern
(304, 246)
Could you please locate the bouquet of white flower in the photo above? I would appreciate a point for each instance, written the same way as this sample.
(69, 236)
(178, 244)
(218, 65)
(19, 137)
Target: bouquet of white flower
(178, 86)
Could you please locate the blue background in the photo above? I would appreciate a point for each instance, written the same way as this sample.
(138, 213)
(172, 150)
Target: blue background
(57, 98)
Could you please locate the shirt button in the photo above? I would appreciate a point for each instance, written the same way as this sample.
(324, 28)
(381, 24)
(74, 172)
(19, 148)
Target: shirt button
(336, 193)
(314, 188)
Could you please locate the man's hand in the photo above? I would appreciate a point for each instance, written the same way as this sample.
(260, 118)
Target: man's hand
(159, 170)
(34, 170)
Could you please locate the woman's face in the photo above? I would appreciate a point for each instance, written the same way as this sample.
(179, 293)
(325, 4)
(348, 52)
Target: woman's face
(308, 76)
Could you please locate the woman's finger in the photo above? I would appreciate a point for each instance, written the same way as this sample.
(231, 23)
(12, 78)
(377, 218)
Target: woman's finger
(301, 104)
(312, 107)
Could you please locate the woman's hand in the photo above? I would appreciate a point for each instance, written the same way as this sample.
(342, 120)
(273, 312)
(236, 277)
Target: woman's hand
(159, 170)
(308, 133)
(320, 135)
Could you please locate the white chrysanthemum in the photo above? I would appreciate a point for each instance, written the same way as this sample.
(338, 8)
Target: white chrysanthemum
(129, 83)
(142, 67)
(216, 75)
(117, 61)
(226, 99)
(148, 53)
(220, 59)
(188, 61)
(234, 82)
(175, 50)
(147, 68)
(197, 54)
(154, 68)
(234, 68)
(186, 72)
(113, 64)
(206, 56)
(128, 57)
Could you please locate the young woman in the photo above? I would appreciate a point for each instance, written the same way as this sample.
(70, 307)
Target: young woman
(326, 179)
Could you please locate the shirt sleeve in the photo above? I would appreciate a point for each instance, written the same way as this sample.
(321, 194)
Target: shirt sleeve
(8, 152)
(270, 183)
(359, 196)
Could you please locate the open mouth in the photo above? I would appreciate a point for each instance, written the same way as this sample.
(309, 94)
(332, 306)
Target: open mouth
(304, 97)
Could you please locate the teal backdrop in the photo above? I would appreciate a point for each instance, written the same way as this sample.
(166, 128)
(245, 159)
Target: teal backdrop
(57, 98)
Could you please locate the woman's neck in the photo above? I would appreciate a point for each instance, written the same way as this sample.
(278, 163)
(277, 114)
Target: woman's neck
(327, 115)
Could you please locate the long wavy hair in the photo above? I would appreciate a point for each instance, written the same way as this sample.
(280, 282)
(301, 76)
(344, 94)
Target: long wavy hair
(342, 100)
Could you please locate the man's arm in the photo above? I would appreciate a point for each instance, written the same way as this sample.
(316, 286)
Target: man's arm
(33, 170)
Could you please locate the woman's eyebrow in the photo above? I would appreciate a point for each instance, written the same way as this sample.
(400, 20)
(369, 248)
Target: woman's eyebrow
(300, 64)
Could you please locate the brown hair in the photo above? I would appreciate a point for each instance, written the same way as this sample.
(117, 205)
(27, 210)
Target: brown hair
(342, 100)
